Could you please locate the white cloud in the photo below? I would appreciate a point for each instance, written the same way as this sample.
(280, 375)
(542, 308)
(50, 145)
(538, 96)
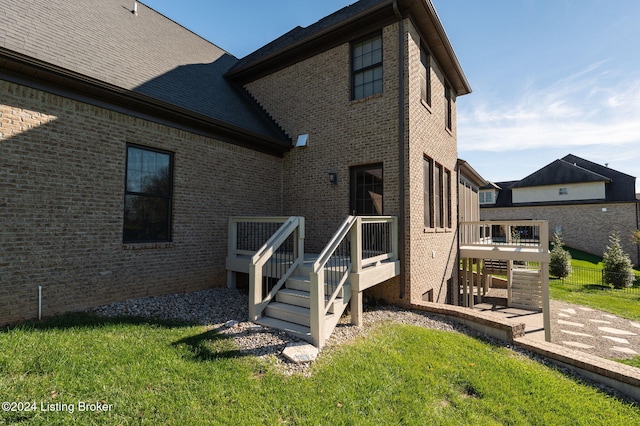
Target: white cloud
(589, 108)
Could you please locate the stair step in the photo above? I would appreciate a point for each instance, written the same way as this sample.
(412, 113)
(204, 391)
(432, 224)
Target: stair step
(296, 330)
(299, 282)
(299, 297)
(294, 297)
(304, 284)
(289, 313)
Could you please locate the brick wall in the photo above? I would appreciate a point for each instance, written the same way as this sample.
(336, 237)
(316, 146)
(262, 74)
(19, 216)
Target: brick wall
(313, 97)
(62, 171)
(432, 253)
(585, 227)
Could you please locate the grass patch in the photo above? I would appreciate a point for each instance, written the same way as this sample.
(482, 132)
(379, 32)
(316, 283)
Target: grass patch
(168, 373)
(624, 305)
(583, 292)
(634, 362)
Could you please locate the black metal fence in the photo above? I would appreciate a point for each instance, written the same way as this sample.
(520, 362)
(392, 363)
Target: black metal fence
(593, 278)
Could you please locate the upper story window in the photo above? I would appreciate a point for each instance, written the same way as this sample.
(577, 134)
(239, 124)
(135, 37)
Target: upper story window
(448, 108)
(425, 76)
(366, 67)
(485, 197)
(148, 194)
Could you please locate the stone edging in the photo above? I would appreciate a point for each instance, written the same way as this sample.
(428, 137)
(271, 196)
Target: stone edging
(624, 378)
(486, 323)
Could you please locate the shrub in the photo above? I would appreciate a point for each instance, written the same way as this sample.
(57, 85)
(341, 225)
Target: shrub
(560, 265)
(617, 264)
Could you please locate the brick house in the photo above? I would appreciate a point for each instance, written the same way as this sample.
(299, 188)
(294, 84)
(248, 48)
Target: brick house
(582, 200)
(128, 144)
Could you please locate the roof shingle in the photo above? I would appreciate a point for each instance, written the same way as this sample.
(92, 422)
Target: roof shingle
(146, 53)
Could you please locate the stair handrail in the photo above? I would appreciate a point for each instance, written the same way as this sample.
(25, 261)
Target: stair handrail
(319, 305)
(258, 301)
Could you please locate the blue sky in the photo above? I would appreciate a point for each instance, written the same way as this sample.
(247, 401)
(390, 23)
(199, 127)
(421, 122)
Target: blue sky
(549, 77)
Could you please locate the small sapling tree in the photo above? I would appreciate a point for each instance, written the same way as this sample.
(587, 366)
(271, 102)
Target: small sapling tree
(617, 264)
(560, 264)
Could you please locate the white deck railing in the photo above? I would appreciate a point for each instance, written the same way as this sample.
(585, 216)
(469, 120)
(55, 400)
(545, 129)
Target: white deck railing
(494, 242)
(274, 255)
(521, 233)
(359, 242)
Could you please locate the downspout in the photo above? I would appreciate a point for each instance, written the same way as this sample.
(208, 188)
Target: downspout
(401, 152)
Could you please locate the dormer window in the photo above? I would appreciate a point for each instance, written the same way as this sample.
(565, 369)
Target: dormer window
(485, 197)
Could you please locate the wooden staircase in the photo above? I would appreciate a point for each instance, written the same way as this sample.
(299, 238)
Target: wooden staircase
(306, 295)
(291, 309)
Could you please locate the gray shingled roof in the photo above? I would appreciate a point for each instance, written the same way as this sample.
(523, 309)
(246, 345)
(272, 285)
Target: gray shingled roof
(300, 33)
(560, 172)
(146, 53)
(572, 169)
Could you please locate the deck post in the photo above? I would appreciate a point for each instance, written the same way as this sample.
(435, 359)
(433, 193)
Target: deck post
(356, 307)
(509, 281)
(465, 300)
(255, 290)
(546, 308)
(317, 308)
(232, 245)
(231, 279)
(299, 236)
(472, 283)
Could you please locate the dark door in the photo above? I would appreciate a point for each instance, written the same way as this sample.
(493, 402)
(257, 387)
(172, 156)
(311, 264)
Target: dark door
(366, 190)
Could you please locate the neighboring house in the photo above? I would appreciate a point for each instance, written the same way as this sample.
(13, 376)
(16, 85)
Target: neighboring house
(130, 145)
(582, 200)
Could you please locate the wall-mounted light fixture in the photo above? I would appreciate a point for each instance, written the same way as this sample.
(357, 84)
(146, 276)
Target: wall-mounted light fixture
(302, 140)
(333, 178)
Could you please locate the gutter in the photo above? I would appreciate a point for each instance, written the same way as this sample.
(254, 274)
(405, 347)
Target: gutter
(401, 153)
(235, 72)
(27, 71)
(446, 44)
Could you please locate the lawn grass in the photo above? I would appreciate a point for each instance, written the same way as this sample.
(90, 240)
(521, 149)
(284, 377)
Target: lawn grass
(162, 373)
(617, 302)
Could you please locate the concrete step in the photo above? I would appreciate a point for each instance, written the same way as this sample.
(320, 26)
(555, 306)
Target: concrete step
(296, 330)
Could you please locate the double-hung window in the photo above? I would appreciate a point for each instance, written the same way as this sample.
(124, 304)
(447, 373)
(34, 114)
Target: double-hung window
(425, 77)
(366, 67)
(448, 107)
(437, 195)
(148, 193)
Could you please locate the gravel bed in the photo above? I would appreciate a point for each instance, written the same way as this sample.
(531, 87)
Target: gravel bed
(225, 310)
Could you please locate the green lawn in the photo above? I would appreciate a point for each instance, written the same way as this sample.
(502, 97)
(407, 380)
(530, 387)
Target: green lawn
(618, 302)
(151, 373)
